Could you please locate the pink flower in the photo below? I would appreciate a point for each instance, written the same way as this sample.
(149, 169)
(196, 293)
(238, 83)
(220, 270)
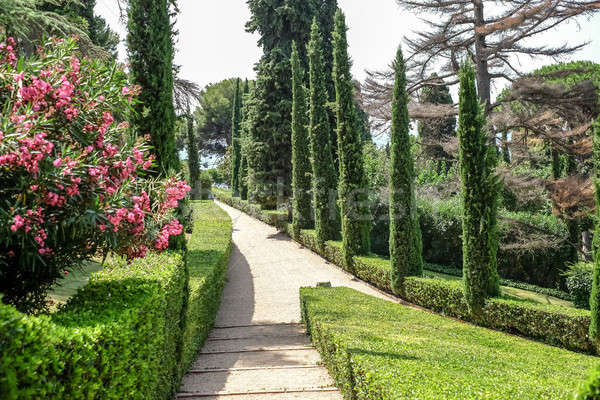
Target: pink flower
(18, 222)
(57, 162)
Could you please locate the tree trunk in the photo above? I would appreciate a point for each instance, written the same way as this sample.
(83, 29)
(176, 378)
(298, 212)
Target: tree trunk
(481, 62)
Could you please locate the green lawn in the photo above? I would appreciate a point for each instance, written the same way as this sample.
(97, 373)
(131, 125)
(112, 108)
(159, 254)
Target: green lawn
(389, 351)
(77, 278)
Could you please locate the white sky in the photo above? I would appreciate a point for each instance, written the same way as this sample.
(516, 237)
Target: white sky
(213, 44)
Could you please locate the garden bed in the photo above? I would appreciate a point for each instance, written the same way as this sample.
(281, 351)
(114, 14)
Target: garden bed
(376, 349)
(131, 332)
(558, 325)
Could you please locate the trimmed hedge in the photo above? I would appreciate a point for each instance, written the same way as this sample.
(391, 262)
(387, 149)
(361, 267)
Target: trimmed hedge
(561, 326)
(277, 218)
(449, 270)
(376, 349)
(130, 333)
(207, 258)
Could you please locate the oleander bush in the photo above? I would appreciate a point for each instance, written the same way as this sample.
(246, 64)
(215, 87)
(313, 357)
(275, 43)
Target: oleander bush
(74, 179)
(377, 349)
(130, 333)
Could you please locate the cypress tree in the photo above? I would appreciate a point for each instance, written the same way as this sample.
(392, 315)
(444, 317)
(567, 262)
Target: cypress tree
(278, 22)
(236, 121)
(150, 49)
(301, 208)
(193, 161)
(595, 295)
(323, 168)
(356, 223)
(243, 139)
(479, 195)
(405, 234)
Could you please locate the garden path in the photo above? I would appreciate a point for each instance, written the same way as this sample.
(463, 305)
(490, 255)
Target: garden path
(258, 349)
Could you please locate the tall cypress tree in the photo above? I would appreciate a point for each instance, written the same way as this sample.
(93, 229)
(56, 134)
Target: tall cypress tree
(150, 49)
(479, 195)
(278, 22)
(595, 295)
(352, 187)
(193, 160)
(236, 121)
(405, 234)
(301, 209)
(323, 168)
(243, 139)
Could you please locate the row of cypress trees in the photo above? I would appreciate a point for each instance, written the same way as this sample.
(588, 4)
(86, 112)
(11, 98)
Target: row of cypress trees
(479, 194)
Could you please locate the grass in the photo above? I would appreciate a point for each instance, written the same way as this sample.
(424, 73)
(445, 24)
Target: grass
(379, 349)
(67, 287)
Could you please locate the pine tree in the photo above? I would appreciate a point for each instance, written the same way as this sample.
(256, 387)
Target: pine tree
(433, 132)
(327, 224)
(243, 139)
(193, 161)
(352, 187)
(479, 196)
(301, 207)
(150, 49)
(236, 121)
(405, 234)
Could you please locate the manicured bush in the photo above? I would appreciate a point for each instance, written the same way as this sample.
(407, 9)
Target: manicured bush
(117, 338)
(277, 218)
(405, 235)
(130, 333)
(207, 257)
(73, 176)
(352, 187)
(377, 349)
(301, 179)
(479, 196)
(326, 213)
(205, 185)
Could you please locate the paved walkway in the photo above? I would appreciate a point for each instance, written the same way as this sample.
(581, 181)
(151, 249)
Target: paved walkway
(258, 349)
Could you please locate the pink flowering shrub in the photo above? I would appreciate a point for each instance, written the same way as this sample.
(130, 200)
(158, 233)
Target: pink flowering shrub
(73, 179)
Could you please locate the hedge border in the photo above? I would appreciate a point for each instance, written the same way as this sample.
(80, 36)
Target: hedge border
(129, 333)
(551, 324)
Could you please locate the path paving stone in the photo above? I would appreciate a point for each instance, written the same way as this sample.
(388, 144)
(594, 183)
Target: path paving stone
(258, 349)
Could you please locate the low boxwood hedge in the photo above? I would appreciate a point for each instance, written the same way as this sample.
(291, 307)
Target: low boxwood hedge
(557, 325)
(130, 333)
(277, 218)
(376, 349)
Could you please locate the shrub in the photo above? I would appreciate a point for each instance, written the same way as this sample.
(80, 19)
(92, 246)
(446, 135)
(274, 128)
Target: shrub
(131, 333)
(71, 178)
(590, 390)
(579, 283)
(117, 338)
(206, 182)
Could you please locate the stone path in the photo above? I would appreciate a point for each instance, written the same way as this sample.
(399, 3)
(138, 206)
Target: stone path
(258, 349)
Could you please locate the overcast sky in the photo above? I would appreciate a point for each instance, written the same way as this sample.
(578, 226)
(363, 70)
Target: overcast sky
(213, 44)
